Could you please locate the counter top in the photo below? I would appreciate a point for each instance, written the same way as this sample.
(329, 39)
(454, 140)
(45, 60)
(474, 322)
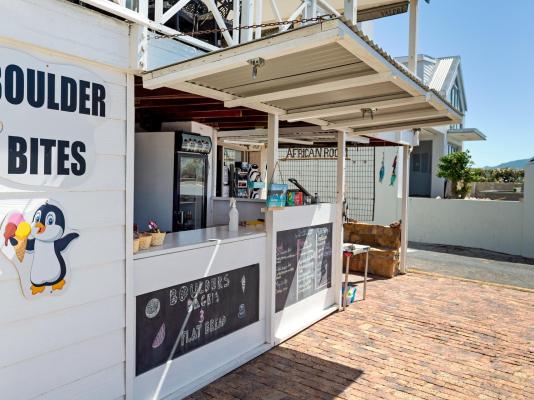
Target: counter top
(188, 240)
(239, 200)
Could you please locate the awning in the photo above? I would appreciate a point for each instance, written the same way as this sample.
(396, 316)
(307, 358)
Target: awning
(466, 134)
(327, 74)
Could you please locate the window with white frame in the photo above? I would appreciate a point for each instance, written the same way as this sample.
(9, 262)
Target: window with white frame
(456, 102)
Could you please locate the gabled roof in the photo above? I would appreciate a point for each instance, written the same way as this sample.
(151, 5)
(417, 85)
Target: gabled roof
(439, 74)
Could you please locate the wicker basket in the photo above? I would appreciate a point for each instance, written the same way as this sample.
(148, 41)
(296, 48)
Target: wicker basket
(136, 245)
(158, 238)
(145, 240)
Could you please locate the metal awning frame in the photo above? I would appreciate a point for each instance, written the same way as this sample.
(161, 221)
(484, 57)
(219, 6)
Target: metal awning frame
(181, 76)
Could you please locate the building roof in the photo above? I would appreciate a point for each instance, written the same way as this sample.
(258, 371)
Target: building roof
(439, 73)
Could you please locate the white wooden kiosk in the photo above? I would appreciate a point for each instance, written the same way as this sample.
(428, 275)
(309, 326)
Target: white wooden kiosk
(328, 75)
(81, 340)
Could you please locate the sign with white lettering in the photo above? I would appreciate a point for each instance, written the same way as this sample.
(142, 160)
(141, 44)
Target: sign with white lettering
(303, 263)
(176, 320)
(48, 116)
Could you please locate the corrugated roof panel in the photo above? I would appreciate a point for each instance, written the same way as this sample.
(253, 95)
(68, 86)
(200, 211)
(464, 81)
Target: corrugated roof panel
(441, 73)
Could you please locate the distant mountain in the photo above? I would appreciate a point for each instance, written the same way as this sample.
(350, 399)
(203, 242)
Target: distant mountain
(516, 164)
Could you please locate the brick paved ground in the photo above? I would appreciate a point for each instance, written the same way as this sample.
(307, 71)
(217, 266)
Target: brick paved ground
(415, 337)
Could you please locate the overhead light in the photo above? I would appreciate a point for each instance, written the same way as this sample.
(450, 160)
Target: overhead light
(370, 111)
(256, 63)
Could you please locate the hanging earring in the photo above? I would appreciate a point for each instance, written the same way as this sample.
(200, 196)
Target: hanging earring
(382, 168)
(394, 172)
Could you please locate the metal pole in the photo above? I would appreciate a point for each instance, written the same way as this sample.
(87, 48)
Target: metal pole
(340, 196)
(404, 218)
(412, 46)
(270, 272)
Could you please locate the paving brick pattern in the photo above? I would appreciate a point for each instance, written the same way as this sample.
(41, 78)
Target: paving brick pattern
(415, 337)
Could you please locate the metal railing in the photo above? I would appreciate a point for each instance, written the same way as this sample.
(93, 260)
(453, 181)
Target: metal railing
(237, 21)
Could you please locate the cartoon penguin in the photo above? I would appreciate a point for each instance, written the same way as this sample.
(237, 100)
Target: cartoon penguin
(47, 242)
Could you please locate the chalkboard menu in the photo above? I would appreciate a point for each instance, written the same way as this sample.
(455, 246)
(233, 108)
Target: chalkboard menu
(173, 321)
(303, 263)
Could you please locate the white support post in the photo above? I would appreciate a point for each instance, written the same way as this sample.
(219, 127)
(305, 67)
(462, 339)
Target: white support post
(412, 46)
(158, 11)
(338, 224)
(311, 9)
(237, 20)
(404, 207)
(258, 4)
(351, 11)
(247, 19)
(270, 270)
(143, 8)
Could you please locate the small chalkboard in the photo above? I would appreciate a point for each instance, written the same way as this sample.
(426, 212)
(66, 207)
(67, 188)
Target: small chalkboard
(303, 263)
(173, 321)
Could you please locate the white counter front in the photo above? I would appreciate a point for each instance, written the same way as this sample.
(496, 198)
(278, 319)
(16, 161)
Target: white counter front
(200, 309)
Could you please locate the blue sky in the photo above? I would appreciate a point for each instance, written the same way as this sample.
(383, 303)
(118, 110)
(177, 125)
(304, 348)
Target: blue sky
(496, 42)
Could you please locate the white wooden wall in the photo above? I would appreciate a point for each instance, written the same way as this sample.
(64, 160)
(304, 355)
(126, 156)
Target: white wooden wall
(72, 345)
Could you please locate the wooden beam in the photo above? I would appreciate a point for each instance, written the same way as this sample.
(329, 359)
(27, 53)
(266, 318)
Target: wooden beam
(335, 111)
(310, 89)
(370, 131)
(385, 119)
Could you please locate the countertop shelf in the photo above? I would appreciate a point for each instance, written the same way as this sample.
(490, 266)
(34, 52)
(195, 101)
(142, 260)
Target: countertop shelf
(188, 240)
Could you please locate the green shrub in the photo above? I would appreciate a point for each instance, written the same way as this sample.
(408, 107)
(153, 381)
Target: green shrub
(500, 175)
(456, 168)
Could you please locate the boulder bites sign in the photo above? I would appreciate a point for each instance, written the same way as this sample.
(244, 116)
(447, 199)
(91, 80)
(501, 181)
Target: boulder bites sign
(48, 116)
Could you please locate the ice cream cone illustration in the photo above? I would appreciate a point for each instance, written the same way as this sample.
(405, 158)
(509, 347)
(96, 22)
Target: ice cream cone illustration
(36, 249)
(21, 234)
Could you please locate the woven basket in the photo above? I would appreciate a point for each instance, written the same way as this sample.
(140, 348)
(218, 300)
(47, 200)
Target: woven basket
(158, 238)
(145, 240)
(136, 245)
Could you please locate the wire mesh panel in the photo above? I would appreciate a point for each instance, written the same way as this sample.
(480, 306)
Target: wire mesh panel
(318, 175)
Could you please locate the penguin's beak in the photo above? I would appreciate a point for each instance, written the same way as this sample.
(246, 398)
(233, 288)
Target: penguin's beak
(40, 227)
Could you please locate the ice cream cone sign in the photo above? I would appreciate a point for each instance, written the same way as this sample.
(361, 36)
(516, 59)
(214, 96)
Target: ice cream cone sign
(37, 247)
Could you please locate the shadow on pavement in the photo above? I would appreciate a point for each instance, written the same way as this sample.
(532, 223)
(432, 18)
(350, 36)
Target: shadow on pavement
(471, 252)
(283, 374)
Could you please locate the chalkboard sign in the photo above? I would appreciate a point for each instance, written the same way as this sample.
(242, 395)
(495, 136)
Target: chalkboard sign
(303, 263)
(173, 321)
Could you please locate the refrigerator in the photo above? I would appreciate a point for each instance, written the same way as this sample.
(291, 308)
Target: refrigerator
(171, 180)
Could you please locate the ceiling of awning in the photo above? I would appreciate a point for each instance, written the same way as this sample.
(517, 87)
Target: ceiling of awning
(326, 74)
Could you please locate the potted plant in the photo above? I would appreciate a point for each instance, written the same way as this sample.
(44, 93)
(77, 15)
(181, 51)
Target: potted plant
(135, 239)
(145, 239)
(456, 168)
(157, 236)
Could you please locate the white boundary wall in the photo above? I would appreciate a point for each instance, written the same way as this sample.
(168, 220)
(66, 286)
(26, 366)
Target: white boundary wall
(503, 226)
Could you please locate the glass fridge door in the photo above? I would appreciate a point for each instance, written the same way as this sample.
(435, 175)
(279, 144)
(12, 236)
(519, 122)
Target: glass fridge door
(190, 212)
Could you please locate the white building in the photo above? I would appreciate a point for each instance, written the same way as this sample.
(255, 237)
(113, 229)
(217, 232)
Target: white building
(444, 75)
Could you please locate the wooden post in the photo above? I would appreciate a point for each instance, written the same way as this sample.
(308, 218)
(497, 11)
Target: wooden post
(270, 264)
(337, 272)
(404, 207)
(351, 11)
(412, 47)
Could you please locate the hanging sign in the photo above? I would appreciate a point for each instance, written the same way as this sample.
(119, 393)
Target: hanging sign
(48, 116)
(311, 153)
